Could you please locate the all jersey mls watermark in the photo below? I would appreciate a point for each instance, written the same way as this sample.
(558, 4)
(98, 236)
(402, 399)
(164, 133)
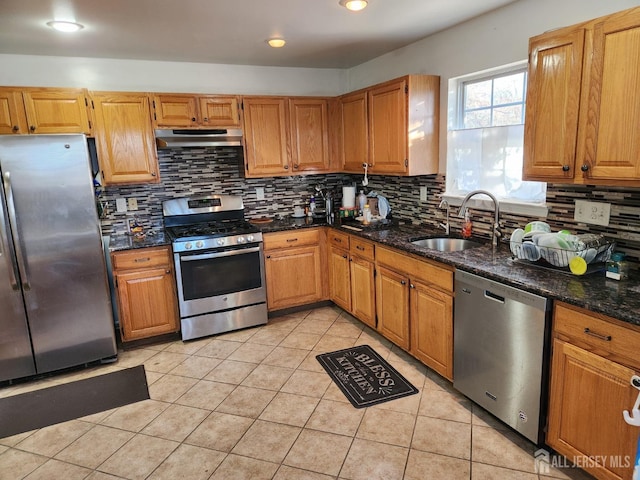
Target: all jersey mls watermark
(544, 461)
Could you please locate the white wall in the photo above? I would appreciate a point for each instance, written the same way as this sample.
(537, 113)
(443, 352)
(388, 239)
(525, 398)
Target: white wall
(153, 76)
(491, 40)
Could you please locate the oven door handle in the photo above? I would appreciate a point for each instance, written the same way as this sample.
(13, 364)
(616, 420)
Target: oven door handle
(228, 253)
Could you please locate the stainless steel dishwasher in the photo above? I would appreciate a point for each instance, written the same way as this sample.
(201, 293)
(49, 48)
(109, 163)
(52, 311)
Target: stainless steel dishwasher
(500, 338)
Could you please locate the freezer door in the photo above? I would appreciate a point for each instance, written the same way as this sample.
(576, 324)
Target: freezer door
(58, 246)
(16, 357)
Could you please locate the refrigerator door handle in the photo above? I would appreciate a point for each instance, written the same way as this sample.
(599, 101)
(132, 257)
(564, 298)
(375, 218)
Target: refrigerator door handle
(14, 223)
(5, 250)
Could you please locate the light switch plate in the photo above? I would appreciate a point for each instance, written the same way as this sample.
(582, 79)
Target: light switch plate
(121, 205)
(259, 193)
(133, 203)
(596, 213)
(423, 194)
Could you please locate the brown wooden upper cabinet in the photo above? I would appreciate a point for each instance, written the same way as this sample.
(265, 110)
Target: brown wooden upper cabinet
(583, 107)
(124, 138)
(196, 111)
(44, 110)
(393, 127)
(286, 136)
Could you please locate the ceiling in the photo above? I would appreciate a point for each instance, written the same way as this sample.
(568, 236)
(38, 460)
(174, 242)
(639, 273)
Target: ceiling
(319, 33)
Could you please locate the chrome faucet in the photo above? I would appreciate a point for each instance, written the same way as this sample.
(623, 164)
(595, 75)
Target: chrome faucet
(447, 228)
(496, 233)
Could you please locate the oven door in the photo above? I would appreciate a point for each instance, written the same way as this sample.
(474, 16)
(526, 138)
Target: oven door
(220, 279)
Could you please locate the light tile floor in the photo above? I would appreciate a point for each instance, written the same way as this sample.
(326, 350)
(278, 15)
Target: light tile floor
(256, 404)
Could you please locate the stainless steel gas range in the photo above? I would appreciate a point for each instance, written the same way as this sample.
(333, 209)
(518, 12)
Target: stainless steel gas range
(219, 263)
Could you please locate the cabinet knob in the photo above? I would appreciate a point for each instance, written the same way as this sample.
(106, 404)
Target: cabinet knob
(167, 271)
(584, 167)
(206, 119)
(32, 128)
(15, 128)
(193, 119)
(411, 285)
(344, 256)
(286, 167)
(565, 168)
(295, 165)
(402, 282)
(153, 174)
(351, 259)
(268, 256)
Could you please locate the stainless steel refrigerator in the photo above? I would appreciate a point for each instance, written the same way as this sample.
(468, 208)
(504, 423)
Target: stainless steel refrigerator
(55, 309)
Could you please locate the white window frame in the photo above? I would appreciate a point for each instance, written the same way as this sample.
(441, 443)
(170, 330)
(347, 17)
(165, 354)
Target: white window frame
(454, 122)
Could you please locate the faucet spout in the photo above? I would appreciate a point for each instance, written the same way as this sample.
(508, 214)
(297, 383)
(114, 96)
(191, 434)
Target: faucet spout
(446, 226)
(496, 233)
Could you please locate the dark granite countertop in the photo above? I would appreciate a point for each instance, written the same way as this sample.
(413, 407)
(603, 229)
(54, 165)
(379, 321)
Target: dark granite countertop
(155, 238)
(618, 299)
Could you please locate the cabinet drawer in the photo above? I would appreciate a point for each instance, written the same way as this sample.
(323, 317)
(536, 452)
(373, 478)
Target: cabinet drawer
(420, 269)
(141, 258)
(362, 248)
(291, 239)
(603, 336)
(338, 239)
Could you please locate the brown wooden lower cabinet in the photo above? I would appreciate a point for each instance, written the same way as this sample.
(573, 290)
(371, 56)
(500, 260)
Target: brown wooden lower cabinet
(593, 360)
(146, 289)
(294, 266)
(392, 302)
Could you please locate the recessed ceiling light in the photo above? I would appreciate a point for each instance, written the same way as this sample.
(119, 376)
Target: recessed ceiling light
(63, 26)
(354, 5)
(276, 42)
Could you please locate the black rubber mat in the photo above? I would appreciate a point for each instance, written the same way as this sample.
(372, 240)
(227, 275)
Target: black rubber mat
(48, 406)
(364, 376)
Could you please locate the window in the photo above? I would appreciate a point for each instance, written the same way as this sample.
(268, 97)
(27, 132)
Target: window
(485, 139)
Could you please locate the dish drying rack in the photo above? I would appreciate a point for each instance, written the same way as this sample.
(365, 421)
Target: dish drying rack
(558, 259)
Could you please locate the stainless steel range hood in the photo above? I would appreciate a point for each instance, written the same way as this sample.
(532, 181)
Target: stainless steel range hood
(199, 138)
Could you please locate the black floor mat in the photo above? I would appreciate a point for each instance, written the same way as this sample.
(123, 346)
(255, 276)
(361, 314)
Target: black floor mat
(364, 376)
(48, 406)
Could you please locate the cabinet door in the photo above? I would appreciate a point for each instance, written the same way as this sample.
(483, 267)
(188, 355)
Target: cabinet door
(217, 111)
(587, 397)
(52, 110)
(355, 147)
(12, 116)
(392, 299)
(175, 110)
(124, 138)
(148, 304)
(340, 279)
(265, 133)
(388, 139)
(611, 142)
(363, 296)
(293, 277)
(432, 328)
(309, 135)
(553, 103)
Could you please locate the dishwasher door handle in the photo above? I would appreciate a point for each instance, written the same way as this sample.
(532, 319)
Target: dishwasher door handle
(492, 296)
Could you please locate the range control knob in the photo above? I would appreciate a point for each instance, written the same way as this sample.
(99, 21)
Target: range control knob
(250, 238)
(220, 241)
(188, 245)
(241, 239)
(199, 244)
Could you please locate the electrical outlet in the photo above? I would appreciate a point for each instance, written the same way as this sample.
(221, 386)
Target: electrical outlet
(596, 213)
(133, 203)
(259, 193)
(423, 194)
(121, 205)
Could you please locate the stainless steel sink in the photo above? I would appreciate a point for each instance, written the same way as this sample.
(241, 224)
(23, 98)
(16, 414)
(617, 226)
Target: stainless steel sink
(446, 244)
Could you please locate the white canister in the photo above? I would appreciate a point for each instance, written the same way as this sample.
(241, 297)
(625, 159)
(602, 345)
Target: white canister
(348, 197)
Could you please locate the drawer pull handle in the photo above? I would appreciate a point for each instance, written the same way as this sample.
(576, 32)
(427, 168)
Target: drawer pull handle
(336, 239)
(145, 259)
(606, 338)
(360, 248)
(292, 240)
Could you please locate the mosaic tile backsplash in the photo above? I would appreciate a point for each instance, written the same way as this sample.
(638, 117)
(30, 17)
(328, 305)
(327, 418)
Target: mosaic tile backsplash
(195, 171)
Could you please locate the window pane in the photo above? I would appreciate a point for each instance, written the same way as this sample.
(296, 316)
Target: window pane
(477, 119)
(477, 95)
(507, 116)
(508, 89)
